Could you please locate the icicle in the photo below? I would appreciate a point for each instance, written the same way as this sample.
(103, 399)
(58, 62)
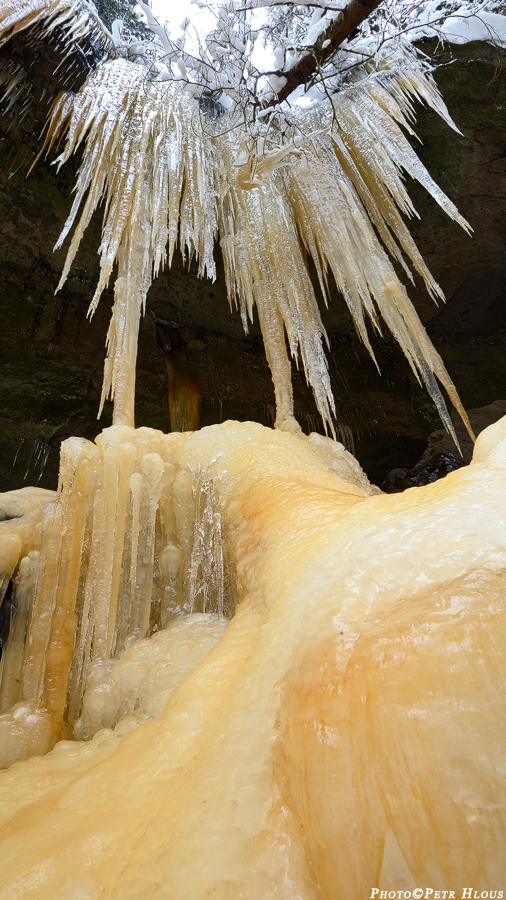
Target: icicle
(355, 177)
(15, 84)
(184, 514)
(9, 555)
(132, 540)
(118, 456)
(22, 599)
(171, 562)
(76, 19)
(152, 470)
(264, 266)
(206, 565)
(143, 155)
(32, 673)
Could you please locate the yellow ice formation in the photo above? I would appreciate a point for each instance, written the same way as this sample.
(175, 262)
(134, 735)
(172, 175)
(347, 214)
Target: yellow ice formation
(134, 537)
(251, 674)
(357, 692)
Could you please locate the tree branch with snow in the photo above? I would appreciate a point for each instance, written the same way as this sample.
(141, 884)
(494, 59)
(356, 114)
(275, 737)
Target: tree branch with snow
(324, 39)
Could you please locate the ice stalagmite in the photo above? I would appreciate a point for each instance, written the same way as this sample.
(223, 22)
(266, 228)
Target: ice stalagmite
(357, 691)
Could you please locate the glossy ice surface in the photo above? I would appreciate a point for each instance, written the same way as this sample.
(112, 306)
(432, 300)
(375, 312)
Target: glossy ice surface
(357, 691)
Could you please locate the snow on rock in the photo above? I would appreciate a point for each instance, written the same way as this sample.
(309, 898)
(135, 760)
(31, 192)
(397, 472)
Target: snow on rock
(489, 27)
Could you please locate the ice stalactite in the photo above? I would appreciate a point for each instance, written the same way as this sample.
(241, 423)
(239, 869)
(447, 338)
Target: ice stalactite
(142, 155)
(165, 182)
(15, 87)
(264, 267)
(343, 207)
(353, 178)
(77, 18)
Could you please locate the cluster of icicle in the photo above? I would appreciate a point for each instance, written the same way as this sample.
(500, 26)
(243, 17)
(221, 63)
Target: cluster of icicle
(131, 540)
(73, 19)
(69, 20)
(14, 86)
(166, 183)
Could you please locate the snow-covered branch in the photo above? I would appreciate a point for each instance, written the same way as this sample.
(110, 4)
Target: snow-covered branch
(268, 4)
(310, 47)
(323, 43)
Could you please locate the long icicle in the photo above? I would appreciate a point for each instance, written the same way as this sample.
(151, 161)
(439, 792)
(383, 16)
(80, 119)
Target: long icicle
(164, 182)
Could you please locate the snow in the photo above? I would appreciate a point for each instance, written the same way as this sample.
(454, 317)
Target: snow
(484, 27)
(464, 27)
(317, 28)
(277, 82)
